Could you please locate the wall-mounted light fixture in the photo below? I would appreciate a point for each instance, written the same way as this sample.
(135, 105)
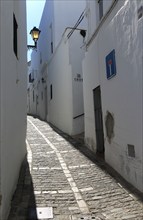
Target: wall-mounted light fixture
(82, 32)
(35, 32)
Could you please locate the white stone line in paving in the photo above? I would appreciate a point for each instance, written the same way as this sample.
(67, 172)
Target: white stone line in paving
(81, 203)
(66, 151)
(29, 155)
(37, 192)
(84, 165)
(46, 168)
(51, 152)
(56, 168)
(46, 139)
(86, 189)
(64, 191)
(80, 166)
(49, 192)
(73, 167)
(43, 168)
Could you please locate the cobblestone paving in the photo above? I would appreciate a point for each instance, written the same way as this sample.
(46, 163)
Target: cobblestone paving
(63, 175)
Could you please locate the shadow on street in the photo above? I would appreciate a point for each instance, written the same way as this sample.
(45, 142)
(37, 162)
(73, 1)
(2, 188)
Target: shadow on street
(23, 202)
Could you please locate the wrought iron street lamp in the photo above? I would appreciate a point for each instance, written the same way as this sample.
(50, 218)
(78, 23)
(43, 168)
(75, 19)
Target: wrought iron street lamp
(35, 32)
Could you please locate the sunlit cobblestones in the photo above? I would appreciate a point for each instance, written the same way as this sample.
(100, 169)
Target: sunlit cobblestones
(64, 177)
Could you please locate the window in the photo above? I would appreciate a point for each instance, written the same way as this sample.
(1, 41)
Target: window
(15, 38)
(51, 91)
(51, 33)
(140, 12)
(51, 47)
(100, 3)
(30, 78)
(33, 96)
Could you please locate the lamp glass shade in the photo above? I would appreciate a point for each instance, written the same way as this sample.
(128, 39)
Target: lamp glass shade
(35, 32)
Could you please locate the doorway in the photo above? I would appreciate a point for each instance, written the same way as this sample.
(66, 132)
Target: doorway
(98, 120)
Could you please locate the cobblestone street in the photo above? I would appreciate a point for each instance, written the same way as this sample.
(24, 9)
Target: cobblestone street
(62, 175)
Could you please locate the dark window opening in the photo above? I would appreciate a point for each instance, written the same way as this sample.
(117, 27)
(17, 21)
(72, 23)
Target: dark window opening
(15, 36)
(131, 150)
(51, 47)
(100, 2)
(33, 96)
(51, 91)
(51, 33)
(30, 78)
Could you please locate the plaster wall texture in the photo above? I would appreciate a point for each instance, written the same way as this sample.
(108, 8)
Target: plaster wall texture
(32, 101)
(107, 5)
(92, 14)
(91, 81)
(67, 101)
(42, 108)
(60, 77)
(0, 121)
(76, 55)
(72, 14)
(13, 99)
(122, 94)
(91, 17)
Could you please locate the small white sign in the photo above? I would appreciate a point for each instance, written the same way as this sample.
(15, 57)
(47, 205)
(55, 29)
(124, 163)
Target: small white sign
(44, 212)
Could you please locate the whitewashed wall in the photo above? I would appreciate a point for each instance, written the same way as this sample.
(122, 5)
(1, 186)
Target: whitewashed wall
(13, 73)
(0, 124)
(67, 101)
(76, 55)
(92, 14)
(60, 76)
(91, 17)
(121, 95)
(66, 14)
(91, 81)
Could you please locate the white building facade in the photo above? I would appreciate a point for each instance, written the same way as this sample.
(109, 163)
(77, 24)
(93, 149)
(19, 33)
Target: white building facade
(65, 85)
(56, 93)
(112, 73)
(12, 98)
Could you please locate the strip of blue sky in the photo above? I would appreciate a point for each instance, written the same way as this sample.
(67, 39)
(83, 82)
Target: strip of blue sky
(34, 13)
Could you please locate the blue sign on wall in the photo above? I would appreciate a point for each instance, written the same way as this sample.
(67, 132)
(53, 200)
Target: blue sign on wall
(110, 65)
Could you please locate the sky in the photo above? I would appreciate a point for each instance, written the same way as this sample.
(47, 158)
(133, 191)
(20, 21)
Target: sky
(34, 13)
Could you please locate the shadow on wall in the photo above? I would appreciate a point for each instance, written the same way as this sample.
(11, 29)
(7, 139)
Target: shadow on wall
(98, 160)
(23, 204)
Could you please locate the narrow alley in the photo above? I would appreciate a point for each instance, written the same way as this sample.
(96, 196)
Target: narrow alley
(62, 180)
